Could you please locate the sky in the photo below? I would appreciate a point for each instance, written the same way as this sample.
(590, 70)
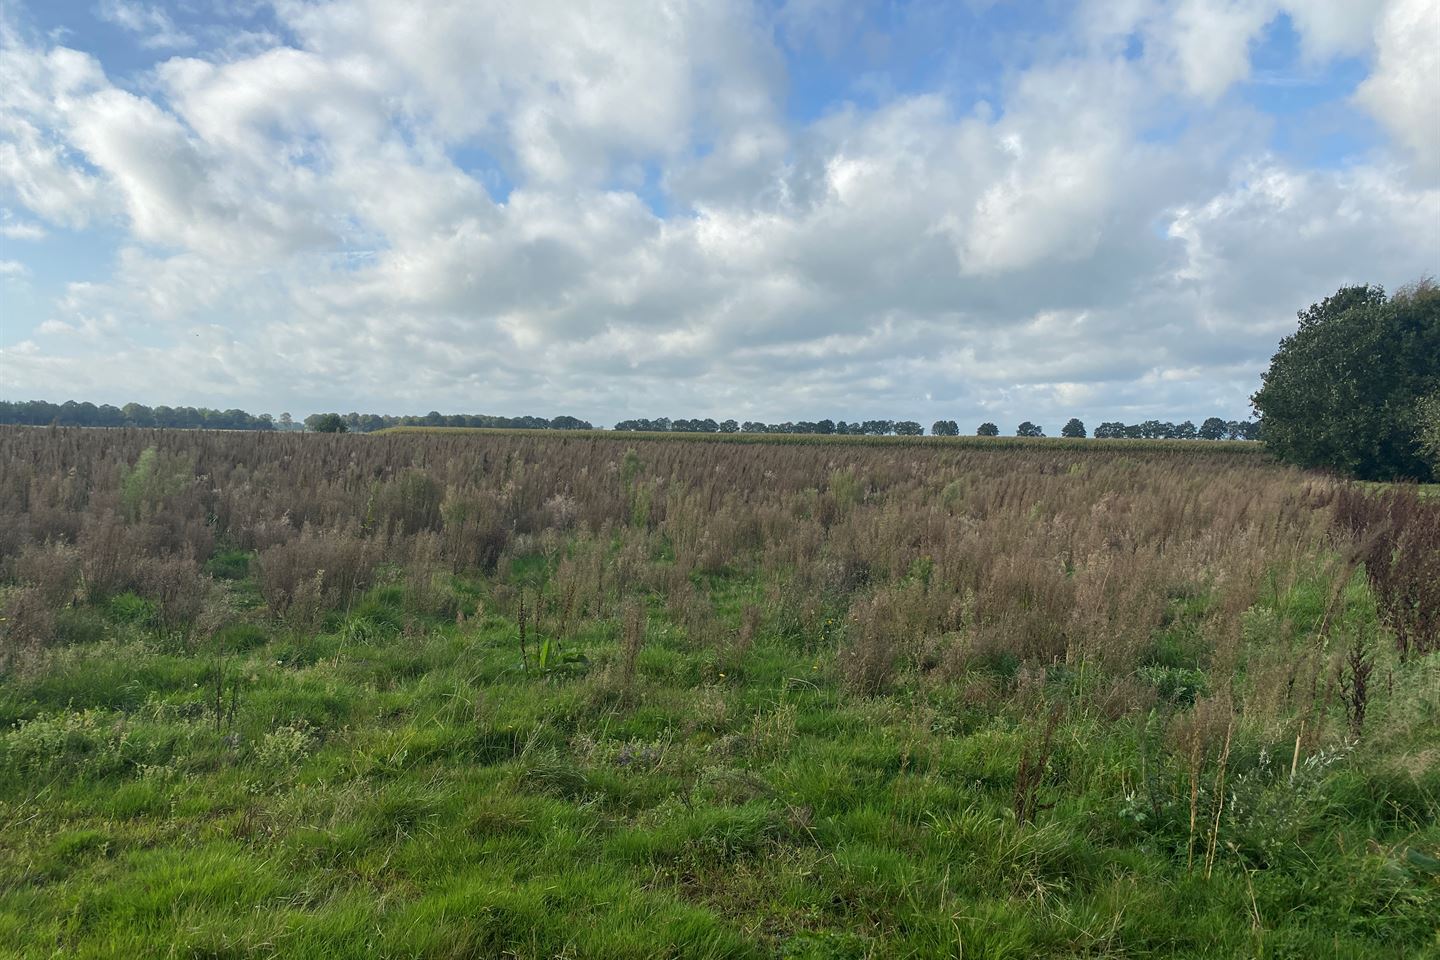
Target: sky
(766, 211)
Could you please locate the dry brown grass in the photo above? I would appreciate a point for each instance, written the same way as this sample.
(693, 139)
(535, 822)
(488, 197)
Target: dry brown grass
(907, 559)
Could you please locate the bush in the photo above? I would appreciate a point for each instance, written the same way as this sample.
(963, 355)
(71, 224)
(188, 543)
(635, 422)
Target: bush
(132, 609)
(1345, 391)
(315, 572)
(229, 565)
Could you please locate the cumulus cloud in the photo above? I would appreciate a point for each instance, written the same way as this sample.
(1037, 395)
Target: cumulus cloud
(550, 208)
(1404, 90)
(148, 21)
(14, 228)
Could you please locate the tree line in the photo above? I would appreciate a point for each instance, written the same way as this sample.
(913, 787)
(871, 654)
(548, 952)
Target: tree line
(866, 428)
(84, 414)
(1212, 428)
(40, 413)
(71, 413)
(370, 422)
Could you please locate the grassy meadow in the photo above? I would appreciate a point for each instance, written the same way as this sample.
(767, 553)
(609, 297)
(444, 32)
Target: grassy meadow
(504, 694)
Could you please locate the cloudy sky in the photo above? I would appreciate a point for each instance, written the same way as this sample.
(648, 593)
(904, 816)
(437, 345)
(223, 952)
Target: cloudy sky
(983, 210)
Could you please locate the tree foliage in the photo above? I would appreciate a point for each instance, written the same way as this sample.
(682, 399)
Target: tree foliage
(326, 423)
(41, 413)
(1429, 433)
(1345, 391)
(1073, 428)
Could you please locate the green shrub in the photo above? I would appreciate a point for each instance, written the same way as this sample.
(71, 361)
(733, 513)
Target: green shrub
(1176, 684)
(133, 609)
(239, 637)
(229, 565)
(79, 625)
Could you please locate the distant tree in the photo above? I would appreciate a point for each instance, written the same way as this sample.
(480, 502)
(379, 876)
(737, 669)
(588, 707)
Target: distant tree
(729, 426)
(1111, 430)
(987, 429)
(1073, 428)
(138, 415)
(825, 427)
(909, 428)
(1184, 431)
(1212, 429)
(74, 413)
(1028, 429)
(286, 421)
(1344, 391)
(326, 423)
(945, 428)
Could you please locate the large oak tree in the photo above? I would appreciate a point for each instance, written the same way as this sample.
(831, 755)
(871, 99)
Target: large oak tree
(1344, 391)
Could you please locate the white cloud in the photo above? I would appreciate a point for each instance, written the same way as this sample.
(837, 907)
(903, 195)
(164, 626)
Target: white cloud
(567, 90)
(1404, 90)
(15, 229)
(1330, 28)
(150, 21)
(37, 165)
(1212, 42)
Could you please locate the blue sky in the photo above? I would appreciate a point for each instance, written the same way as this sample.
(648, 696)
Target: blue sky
(783, 210)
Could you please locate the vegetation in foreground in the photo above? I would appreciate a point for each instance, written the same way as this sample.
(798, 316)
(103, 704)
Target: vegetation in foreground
(450, 695)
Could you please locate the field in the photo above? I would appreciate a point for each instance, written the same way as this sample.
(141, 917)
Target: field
(928, 442)
(505, 694)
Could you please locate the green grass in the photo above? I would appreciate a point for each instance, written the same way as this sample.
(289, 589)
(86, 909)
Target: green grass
(1422, 489)
(400, 787)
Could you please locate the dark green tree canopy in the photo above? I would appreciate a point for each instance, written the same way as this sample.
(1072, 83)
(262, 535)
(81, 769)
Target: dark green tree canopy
(1028, 429)
(326, 423)
(1344, 391)
(987, 430)
(1073, 428)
